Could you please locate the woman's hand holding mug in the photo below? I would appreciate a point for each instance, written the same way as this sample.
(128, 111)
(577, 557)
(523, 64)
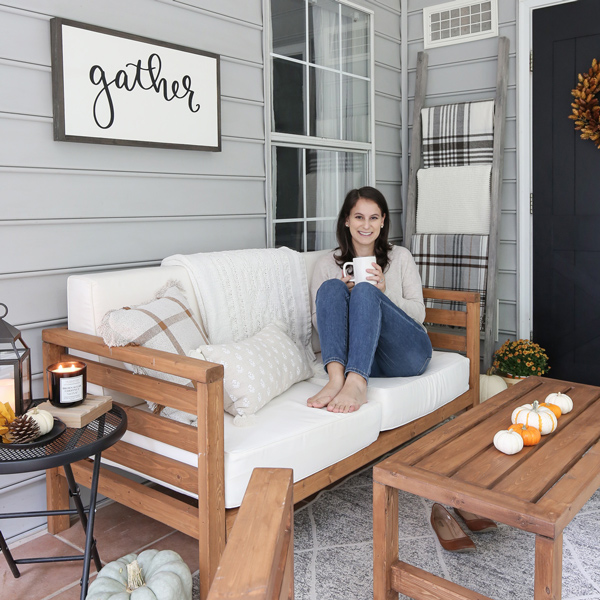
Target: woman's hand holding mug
(365, 268)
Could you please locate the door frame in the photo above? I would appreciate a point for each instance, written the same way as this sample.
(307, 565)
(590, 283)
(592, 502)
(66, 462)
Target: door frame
(524, 163)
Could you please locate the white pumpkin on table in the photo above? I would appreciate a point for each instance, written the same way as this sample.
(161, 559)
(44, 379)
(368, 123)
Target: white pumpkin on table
(508, 441)
(537, 416)
(43, 418)
(561, 400)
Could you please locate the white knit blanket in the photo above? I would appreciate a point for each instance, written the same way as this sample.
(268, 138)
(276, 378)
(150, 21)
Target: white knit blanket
(239, 292)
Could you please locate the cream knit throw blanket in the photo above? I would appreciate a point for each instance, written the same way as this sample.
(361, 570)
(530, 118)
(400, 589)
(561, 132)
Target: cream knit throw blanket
(239, 292)
(453, 200)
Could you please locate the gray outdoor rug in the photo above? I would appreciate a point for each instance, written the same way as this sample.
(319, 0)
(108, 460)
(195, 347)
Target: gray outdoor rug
(333, 549)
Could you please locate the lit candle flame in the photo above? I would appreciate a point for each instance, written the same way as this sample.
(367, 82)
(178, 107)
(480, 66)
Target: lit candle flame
(66, 369)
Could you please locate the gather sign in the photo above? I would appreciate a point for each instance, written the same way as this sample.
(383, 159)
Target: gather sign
(115, 88)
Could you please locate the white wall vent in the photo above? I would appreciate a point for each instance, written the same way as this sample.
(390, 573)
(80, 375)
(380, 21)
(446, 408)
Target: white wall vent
(456, 22)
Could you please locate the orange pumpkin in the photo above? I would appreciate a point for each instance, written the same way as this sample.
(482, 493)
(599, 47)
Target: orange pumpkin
(553, 407)
(531, 435)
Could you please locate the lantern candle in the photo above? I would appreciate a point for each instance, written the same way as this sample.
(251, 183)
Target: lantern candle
(67, 383)
(7, 392)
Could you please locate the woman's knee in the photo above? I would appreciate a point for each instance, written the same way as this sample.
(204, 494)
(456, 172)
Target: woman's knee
(365, 291)
(331, 289)
(333, 285)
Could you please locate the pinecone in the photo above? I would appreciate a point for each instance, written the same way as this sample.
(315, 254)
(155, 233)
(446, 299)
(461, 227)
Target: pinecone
(22, 430)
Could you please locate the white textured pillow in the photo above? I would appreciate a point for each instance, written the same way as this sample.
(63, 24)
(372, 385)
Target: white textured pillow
(256, 369)
(454, 200)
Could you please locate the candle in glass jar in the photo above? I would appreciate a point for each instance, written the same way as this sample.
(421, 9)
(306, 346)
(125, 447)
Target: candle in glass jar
(67, 383)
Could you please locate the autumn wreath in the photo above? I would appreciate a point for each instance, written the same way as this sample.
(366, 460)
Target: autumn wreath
(586, 111)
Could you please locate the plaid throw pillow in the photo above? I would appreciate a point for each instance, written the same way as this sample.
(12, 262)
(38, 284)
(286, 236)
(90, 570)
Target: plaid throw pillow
(165, 323)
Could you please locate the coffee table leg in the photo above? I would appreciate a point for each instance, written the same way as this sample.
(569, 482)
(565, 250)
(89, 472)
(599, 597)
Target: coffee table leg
(385, 540)
(548, 568)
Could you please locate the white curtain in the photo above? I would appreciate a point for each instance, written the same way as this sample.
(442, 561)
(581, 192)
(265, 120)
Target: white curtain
(341, 106)
(355, 92)
(327, 108)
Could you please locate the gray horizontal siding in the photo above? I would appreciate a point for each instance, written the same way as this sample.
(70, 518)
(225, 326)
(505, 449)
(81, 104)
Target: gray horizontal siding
(104, 194)
(28, 493)
(32, 146)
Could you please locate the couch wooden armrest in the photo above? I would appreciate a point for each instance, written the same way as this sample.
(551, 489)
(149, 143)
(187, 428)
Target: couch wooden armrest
(209, 521)
(205, 400)
(258, 561)
(467, 320)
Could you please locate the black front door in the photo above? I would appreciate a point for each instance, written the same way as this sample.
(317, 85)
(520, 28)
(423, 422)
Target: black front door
(566, 195)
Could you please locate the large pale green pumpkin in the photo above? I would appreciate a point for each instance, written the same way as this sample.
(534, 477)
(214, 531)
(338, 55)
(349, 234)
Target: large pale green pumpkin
(162, 575)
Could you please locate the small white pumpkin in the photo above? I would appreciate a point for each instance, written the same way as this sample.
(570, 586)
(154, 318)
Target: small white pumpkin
(508, 441)
(490, 385)
(151, 575)
(563, 401)
(537, 416)
(43, 418)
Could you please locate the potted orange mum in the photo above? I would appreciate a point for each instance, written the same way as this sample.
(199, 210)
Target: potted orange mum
(517, 360)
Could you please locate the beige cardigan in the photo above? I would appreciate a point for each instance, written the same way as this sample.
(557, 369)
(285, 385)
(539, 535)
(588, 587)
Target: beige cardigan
(402, 279)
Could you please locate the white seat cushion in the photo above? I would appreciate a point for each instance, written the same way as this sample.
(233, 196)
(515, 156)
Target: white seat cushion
(287, 434)
(404, 399)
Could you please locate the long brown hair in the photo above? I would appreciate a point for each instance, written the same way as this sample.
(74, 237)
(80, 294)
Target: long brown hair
(345, 246)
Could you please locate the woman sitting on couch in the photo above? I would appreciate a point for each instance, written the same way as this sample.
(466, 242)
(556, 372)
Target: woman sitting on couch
(374, 328)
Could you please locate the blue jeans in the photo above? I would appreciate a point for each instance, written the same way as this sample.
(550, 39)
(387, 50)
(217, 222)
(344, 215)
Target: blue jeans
(367, 333)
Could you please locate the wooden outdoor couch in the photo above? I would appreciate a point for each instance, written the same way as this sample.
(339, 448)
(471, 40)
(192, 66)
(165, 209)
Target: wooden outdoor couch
(207, 519)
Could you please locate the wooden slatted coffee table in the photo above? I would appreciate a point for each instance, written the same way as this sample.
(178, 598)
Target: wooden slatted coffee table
(539, 490)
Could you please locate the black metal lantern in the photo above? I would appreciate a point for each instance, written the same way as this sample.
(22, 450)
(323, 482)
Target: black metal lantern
(15, 367)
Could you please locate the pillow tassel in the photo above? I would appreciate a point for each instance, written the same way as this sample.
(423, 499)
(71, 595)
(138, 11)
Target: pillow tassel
(244, 420)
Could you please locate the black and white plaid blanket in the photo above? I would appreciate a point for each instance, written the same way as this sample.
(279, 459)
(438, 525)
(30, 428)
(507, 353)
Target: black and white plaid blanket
(458, 134)
(452, 262)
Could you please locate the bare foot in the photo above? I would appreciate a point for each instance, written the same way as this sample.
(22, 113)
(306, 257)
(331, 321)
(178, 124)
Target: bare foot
(352, 396)
(326, 395)
(336, 382)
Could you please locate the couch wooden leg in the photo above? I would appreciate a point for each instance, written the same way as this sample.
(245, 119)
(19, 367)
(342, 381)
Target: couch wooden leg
(57, 498)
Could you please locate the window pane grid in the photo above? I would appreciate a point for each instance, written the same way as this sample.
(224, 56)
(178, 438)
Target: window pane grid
(334, 146)
(334, 41)
(303, 62)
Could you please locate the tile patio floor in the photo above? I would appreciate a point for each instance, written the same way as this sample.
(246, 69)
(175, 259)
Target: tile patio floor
(118, 531)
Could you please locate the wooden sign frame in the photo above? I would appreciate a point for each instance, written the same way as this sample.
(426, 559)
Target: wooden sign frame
(110, 87)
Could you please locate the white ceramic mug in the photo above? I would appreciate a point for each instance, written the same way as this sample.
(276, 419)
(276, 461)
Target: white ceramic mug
(359, 269)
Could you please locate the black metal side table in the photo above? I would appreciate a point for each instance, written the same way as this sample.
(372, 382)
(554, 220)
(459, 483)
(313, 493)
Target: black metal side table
(72, 445)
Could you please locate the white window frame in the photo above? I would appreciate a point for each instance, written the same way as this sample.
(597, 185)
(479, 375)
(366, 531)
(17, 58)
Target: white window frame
(308, 142)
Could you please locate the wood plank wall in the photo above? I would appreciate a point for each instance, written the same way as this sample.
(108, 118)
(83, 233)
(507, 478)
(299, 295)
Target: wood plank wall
(73, 208)
(465, 72)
